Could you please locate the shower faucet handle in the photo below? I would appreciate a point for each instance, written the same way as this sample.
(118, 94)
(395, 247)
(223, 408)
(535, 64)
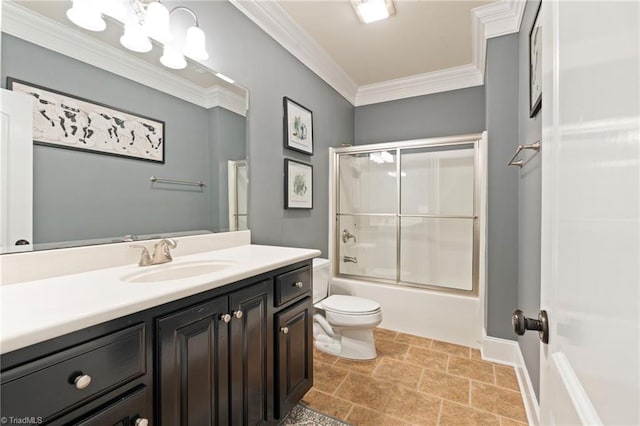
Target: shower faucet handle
(346, 235)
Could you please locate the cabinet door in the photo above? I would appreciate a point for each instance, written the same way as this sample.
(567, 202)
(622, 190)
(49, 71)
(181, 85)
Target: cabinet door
(193, 366)
(128, 411)
(250, 360)
(294, 374)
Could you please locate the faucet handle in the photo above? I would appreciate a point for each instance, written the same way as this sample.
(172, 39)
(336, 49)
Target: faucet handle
(170, 242)
(145, 257)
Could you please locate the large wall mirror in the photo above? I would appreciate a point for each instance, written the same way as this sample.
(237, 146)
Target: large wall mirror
(81, 197)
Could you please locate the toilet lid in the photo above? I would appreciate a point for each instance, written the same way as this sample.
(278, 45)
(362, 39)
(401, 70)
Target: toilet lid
(350, 304)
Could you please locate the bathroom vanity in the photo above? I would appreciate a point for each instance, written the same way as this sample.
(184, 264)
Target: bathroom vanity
(225, 339)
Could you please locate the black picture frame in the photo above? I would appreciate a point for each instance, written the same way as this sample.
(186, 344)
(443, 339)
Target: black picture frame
(297, 137)
(295, 175)
(66, 121)
(535, 65)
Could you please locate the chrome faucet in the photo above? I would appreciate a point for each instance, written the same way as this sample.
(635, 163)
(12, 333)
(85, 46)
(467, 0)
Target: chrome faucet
(346, 235)
(349, 259)
(161, 252)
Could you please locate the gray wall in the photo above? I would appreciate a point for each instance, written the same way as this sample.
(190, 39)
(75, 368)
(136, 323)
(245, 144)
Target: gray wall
(241, 50)
(440, 114)
(529, 209)
(84, 195)
(501, 80)
(227, 132)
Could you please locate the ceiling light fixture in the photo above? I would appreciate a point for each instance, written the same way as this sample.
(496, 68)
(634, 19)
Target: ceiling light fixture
(142, 19)
(373, 10)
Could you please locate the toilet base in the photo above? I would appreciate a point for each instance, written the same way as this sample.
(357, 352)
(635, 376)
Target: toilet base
(350, 344)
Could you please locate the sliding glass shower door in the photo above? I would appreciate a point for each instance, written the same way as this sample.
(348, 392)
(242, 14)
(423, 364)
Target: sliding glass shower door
(408, 215)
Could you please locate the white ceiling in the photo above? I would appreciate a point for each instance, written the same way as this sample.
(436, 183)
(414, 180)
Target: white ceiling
(429, 46)
(423, 36)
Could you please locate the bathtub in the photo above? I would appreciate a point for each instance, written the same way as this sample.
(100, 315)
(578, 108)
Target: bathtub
(442, 316)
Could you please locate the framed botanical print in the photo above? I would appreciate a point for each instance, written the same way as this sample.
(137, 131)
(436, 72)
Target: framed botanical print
(298, 185)
(535, 65)
(298, 127)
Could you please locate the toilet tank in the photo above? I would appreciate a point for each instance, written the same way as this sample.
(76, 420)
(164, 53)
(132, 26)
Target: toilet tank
(321, 272)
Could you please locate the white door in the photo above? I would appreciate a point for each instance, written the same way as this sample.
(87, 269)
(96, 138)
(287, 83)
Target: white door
(590, 370)
(16, 172)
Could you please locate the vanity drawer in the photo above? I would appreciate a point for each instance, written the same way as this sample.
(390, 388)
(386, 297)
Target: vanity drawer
(292, 285)
(46, 387)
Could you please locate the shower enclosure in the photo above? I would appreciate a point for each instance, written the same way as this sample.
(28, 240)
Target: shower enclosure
(407, 213)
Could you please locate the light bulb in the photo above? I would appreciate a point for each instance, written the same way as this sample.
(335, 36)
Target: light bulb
(194, 46)
(134, 37)
(172, 58)
(86, 15)
(156, 22)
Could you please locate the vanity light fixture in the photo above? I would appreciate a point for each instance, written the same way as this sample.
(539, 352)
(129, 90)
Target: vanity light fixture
(373, 10)
(143, 20)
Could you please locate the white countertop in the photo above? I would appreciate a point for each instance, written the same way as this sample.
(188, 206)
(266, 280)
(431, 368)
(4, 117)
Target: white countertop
(35, 311)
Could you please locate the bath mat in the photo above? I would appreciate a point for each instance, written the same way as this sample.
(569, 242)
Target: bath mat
(301, 415)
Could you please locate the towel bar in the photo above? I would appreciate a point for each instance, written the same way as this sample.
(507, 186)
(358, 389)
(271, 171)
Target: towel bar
(179, 182)
(534, 146)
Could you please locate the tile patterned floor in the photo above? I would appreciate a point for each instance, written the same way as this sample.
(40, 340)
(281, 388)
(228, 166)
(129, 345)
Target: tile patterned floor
(416, 381)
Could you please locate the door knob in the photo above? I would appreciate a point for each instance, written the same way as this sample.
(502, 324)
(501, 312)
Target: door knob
(521, 324)
(225, 317)
(238, 314)
(284, 330)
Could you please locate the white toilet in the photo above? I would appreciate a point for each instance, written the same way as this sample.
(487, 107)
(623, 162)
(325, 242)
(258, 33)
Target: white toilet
(342, 325)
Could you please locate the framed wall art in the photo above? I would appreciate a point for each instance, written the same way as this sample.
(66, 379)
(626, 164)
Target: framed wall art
(65, 121)
(535, 65)
(298, 185)
(298, 127)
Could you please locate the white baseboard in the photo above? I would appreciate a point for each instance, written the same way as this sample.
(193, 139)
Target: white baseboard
(502, 351)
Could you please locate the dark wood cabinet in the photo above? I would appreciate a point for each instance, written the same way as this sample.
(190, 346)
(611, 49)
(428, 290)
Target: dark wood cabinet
(250, 360)
(294, 362)
(129, 410)
(193, 365)
(213, 361)
(219, 357)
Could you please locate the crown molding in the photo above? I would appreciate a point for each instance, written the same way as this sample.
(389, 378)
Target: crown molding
(420, 84)
(272, 19)
(19, 21)
(493, 20)
(499, 18)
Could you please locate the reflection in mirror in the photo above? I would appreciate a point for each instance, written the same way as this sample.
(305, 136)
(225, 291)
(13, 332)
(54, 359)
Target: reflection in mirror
(82, 197)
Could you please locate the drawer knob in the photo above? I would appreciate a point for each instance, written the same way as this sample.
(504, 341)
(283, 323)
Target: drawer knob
(225, 317)
(82, 381)
(141, 422)
(298, 284)
(284, 330)
(237, 314)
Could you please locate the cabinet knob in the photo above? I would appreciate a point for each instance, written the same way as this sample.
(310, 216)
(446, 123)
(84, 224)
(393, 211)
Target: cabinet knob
(238, 314)
(141, 422)
(298, 284)
(284, 330)
(225, 317)
(82, 381)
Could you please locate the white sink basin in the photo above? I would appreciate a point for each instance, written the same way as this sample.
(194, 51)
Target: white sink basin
(177, 271)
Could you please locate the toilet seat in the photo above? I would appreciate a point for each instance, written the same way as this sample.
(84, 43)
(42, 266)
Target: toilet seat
(350, 305)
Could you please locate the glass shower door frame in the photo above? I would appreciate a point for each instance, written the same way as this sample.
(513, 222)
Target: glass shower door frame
(398, 148)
